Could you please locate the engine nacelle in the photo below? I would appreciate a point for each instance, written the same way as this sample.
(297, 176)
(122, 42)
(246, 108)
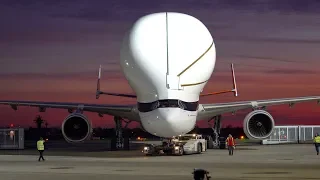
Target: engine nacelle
(258, 124)
(76, 128)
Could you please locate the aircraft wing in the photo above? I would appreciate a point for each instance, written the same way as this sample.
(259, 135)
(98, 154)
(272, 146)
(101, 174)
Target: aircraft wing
(124, 111)
(210, 110)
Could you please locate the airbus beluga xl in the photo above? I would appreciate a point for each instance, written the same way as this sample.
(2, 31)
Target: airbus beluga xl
(167, 58)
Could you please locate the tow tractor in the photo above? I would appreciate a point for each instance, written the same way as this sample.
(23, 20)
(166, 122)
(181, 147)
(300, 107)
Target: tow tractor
(179, 145)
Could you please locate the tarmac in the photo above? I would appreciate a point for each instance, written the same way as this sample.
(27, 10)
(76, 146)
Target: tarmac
(268, 162)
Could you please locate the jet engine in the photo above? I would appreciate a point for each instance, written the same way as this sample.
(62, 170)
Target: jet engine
(76, 128)
(258, 124)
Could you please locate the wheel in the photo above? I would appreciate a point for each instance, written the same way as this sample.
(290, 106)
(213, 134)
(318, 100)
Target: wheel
(199, 149)
(181, 152)
(222, 142)
(209, 142)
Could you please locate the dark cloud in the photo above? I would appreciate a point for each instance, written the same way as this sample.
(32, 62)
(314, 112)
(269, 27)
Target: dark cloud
(130, 10)
(290, 71)
(266, 58)
(268, 40)
(68, 39)
(281, 6)
(44, 32)
(108, 74)
(244, 65)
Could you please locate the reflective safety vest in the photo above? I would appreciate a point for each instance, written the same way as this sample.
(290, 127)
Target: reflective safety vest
(40, 145)
(230, 141)
(317, 139)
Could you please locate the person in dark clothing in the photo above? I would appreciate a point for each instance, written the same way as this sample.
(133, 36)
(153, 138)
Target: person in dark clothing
(200, 174)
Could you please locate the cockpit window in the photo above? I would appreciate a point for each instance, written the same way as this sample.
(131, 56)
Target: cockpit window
(168, 103)
(185, 138)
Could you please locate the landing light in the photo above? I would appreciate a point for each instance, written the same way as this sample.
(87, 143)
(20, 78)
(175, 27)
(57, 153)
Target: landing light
(242, 137)
(176, 148)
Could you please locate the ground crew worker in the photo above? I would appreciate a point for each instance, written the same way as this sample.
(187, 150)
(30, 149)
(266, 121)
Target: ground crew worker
(40, 147)
(316, 141)
(230, 144)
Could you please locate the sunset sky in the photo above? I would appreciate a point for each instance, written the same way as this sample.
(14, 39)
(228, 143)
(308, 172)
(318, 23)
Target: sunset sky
(51, 51)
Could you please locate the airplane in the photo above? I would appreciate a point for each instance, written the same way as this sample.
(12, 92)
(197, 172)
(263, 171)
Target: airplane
(167, 59)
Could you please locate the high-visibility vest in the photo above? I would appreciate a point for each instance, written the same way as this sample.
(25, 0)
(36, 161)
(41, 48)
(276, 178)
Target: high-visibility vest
(230, 141)
(317, 139)
(40, 145)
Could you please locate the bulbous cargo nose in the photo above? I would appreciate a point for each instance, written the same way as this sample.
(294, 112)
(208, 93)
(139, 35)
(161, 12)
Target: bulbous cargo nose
(168, 122)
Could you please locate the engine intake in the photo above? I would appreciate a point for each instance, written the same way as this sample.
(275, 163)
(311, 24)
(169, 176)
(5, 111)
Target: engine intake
(76, 128)
(258, 124)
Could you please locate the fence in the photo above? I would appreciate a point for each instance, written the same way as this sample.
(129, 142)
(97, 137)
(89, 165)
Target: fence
(12, 138)
(292, 134)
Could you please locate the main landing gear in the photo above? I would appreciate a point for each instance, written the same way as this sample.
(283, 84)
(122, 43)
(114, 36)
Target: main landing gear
(120, 145)
(216, 127)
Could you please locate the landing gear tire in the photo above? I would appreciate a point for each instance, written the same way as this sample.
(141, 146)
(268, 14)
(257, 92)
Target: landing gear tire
(181, 152)
(222, 143)
(209, 142)
(199, 149)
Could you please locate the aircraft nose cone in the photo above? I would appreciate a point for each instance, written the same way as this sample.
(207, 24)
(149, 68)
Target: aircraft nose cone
(172, 118)
(168, 122)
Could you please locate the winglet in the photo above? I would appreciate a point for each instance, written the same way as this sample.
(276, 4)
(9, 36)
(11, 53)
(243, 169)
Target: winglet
(234, 90)
(99, 76)
(98, 92)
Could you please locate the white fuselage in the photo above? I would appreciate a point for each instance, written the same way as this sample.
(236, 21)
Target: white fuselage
(167, 59)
